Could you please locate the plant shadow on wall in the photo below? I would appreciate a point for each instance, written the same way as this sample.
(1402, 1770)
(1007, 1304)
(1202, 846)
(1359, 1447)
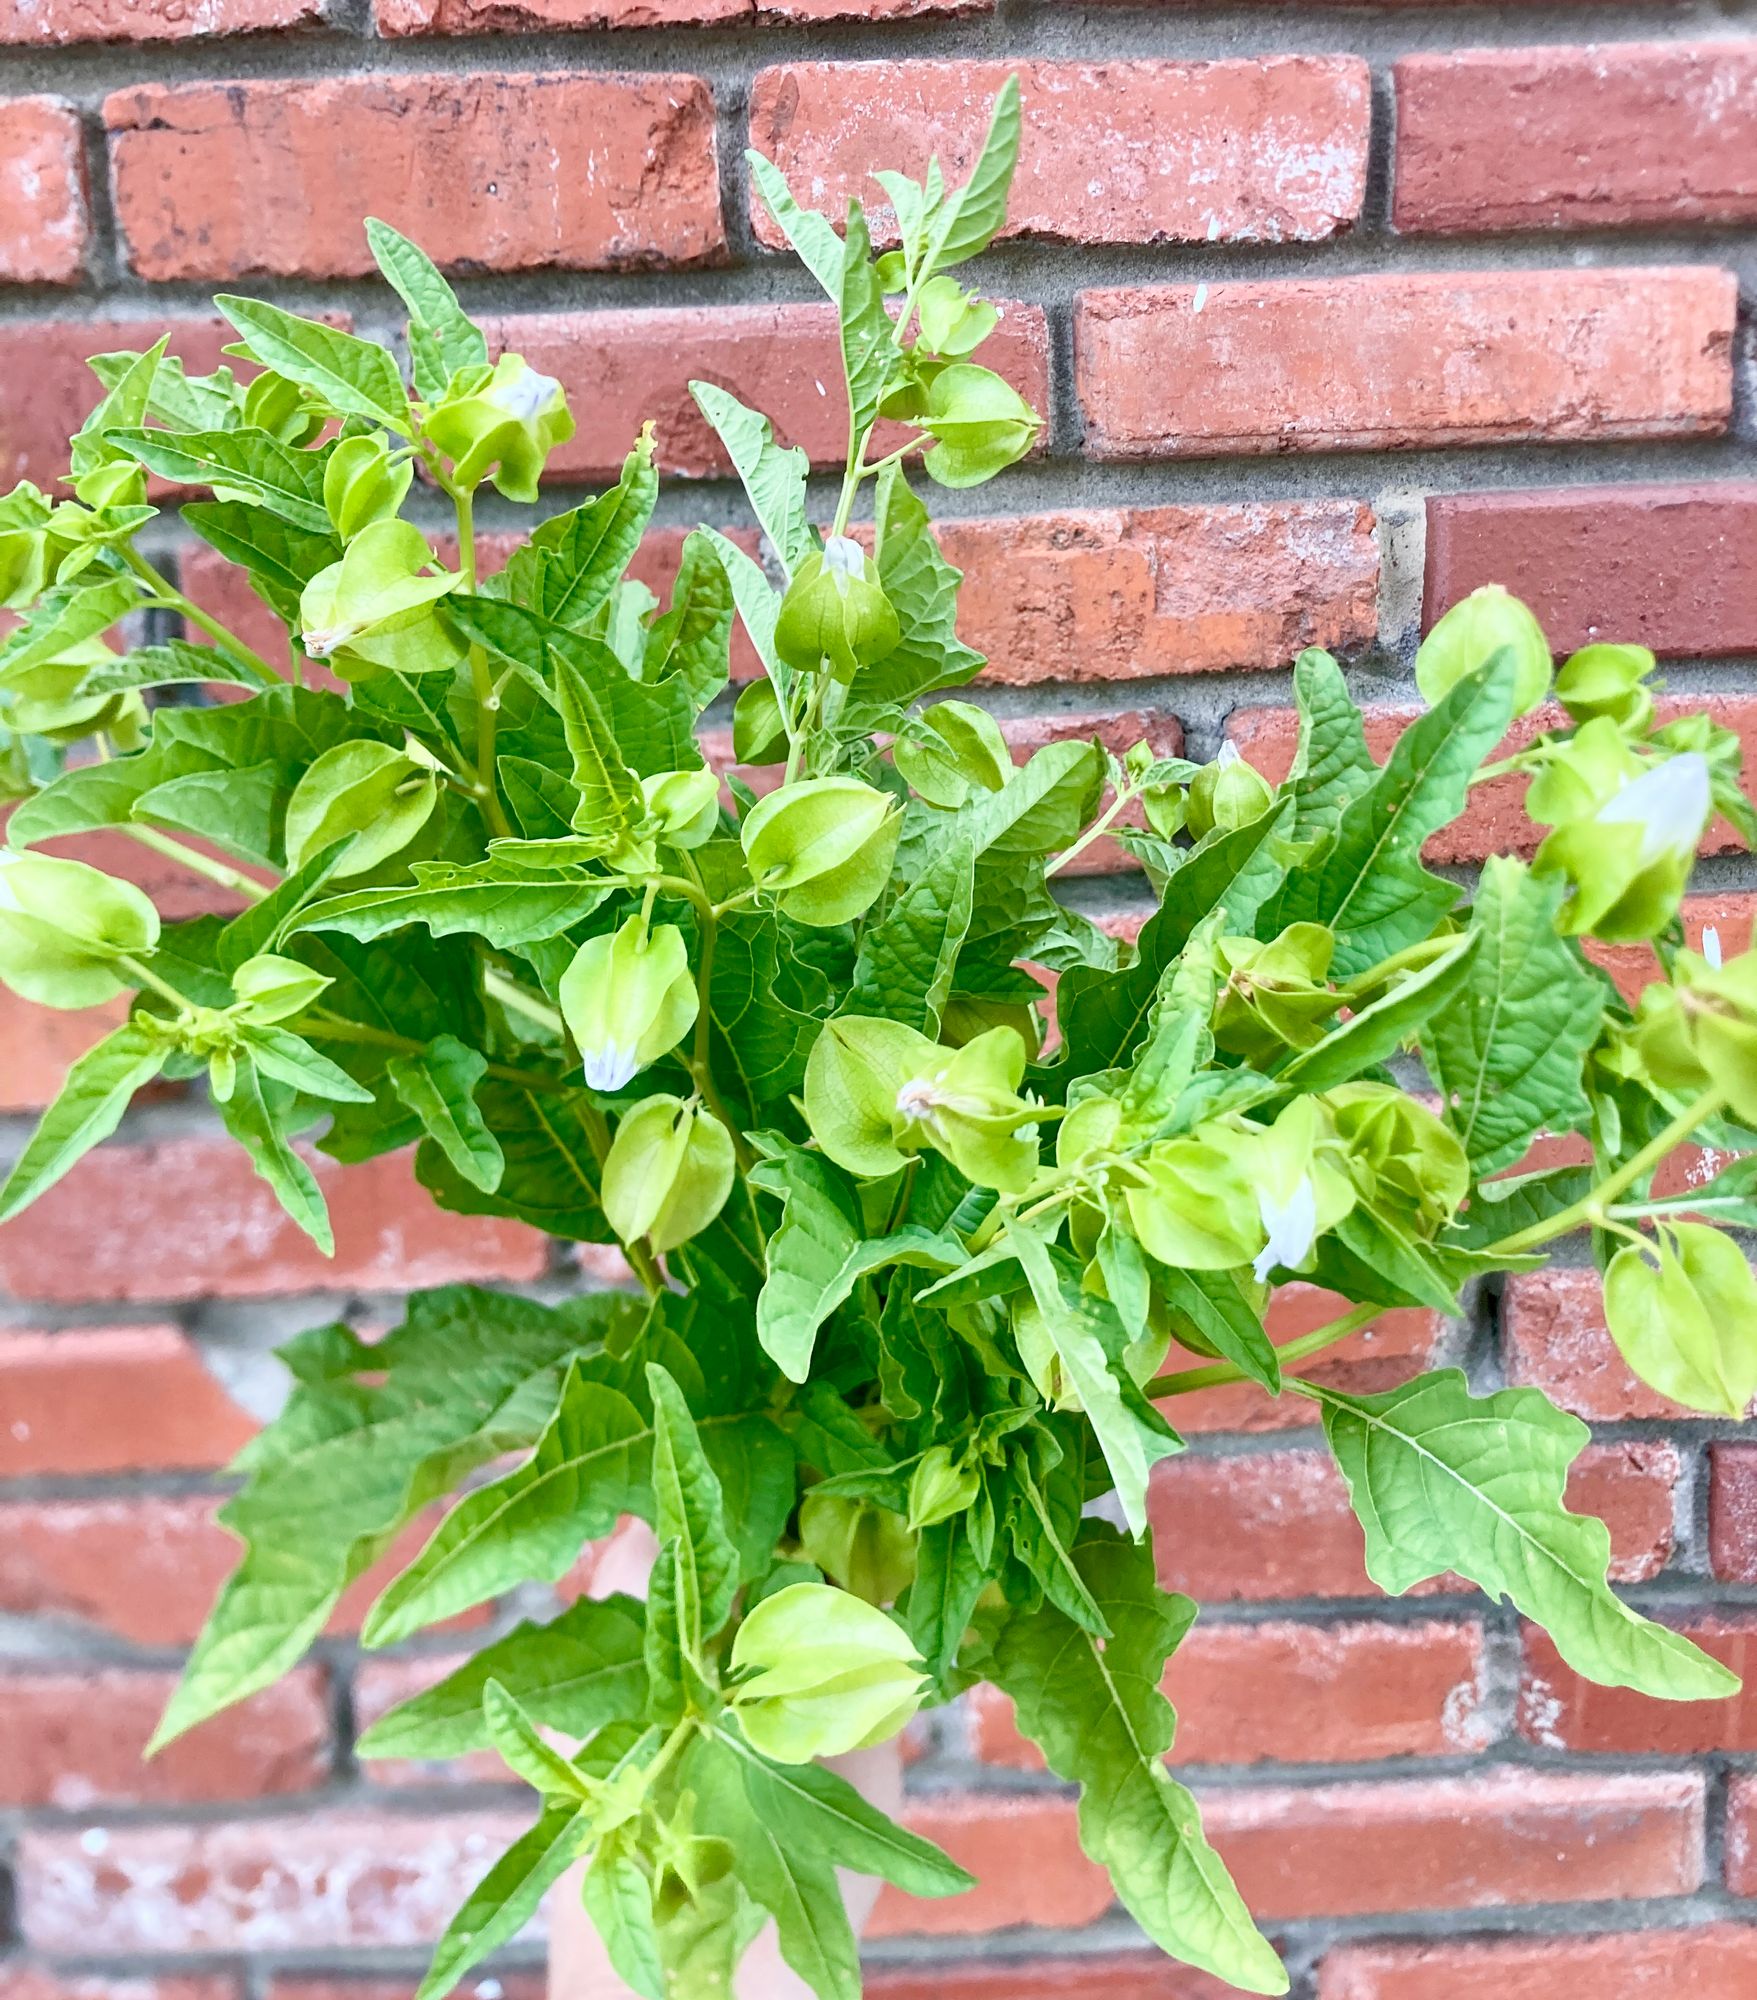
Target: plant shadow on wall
(907, 1280)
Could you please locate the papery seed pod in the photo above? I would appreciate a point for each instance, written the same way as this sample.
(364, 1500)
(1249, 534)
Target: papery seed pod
(361, 484)
(501, 423)
(1627, 865)
(63, 926)
(628, 998)
(830, 1674)
(1683, 1312)
(1608, 682)
(836, 613)
(668, 1172)
(1471, 633)
(1226, 794)
(822, 848)
(271, 989)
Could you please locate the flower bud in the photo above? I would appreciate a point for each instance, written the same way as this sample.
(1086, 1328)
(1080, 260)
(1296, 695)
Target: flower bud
(270, 989)
(836, 612)
(1226, 794)
(627, 998)
(118, 482)
(373, 795)
(852, 1076)
(373, 612)
(62, 926)
(1717, 1006)
(47, 700)
(953, 322)
(1627, 865)
(1298, 1173)
(965, 1104)
(822, 848)
(361, 485)
(942, 1484)
(502, 423)
(1275, 996)
(830, 1674)
(1194, 1206)
(1579, 776)
(857, 1543)
(1683, 1313)
(668, 1172)
(1398, 1150)
(1608, 682)
(981, 425)
(949, 750)
(1471, 633)
(684, 806)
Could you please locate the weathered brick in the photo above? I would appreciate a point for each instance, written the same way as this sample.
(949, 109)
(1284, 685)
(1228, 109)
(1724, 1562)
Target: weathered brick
(1673, 568)
(21, 1981)
(347, 1877)
(1301, 1694)
(625, 367)
(1348, 364)
(1555, 1339)
(188, 1218)
(1537, 138)
(1730, 915)
(1132, 593)
(1741, 1838)
(1713, 1962)
(1265, 150)
(238, 179)
(1276, 1523)
(42, 191)
(51, 23)
(75, 1740)
(478, 17)
(1135, 1977)
(1732, 1512)
(47, 391)
(1563, 1711)
(1494, 820)
(95, 1399)
(40, 1043)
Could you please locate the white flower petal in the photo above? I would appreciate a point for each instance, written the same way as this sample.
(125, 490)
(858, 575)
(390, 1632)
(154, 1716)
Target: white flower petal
(1292, 1227)
(1711, 945)
(610, 1067)
(525, 395)
(1670, 802)
(844, 555)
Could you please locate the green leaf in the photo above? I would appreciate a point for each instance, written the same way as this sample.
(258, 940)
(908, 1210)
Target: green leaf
(774, 477)
(584, 1669)
(869, 350)
(66, 617)
(521, 1747)
(550, 1179)
(1507, 1050)
(1370, 887)
(1331, 765)
(176, 663)
(1377, 1032)
(439, 1087)
(697, 1572)
(589, 1466)
(1444, 1480)
(819, 1811)
(923, 589)
(812, 236)
(280, 558)
(758, 602)
(907, 958)
(942, 1600)
(488, 899)
(355, 376)
(290, 1059)
(573, 561)
(183, 402)
(506, 1898)
(820, 1251)
(1221, 1311)
(452, 340)
(969, 218)
(257, 1124)
(1088, 1336)
(1095, 1708)
(619, 1901)
(768, 1006)
(86, 1110)
(288, 482)
(692, 641)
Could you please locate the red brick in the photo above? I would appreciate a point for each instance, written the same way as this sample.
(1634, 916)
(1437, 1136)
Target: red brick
(1554, 1337)
(1633, 966)
(507, 1985)
(1136, 1977)
(40, 1043)
(112, 1399)
(52, 23)
(1715, 1962)
(1139, 592)
(32, 1982)
(1301, 1694)
(1277, 1523)
(1561, 1711)
(1741, 1843)
(1494, 821)
(379, 1685)
(188, 1218)
(42, 191)
(75, 1740)
(1673, 568)
(477, 17)
(1536, 138)
(1493, 1840)
(230, 180)
(47, 391)
(329, 1880)
(1266, 150)
(1395, 362)
(1399, 1344)
(1732, 1512)
(626, 366)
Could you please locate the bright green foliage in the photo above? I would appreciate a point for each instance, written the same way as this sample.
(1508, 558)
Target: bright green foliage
(912, 1282)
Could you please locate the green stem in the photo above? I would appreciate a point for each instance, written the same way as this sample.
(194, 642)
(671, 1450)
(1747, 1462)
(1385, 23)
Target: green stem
(481, 675)
(1591, 1207)
(1096, 831)
(144, 975)
(516, 1000)
(1183, 1381)
(197, 862)
(174, 600)
(332, 1028)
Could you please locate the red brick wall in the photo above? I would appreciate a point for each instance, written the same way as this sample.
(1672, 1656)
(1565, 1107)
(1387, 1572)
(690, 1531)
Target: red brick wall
(1338, 311)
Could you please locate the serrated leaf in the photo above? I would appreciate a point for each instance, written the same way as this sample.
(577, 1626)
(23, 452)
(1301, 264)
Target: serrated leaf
(439, 1086)
(176, 663)
(1444, 1480)
(68, 616)
(869, 349)
(1220, 1310)
(576, 559)
(1094, 1708)
(1376, 1033)
(691, 642)
(521, 1748)
(256, 1123)
(1508, 1048)
(907, 957)
(482, 898)
(355, 376)
(923, 589)
(551, 1175)
(88, 1107)
(1331, 765)
(774, 476)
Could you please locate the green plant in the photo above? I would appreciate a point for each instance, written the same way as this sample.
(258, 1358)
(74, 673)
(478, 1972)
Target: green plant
(905, 1280)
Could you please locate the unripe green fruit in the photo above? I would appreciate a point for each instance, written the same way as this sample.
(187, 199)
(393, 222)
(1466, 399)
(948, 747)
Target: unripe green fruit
(1471, 633)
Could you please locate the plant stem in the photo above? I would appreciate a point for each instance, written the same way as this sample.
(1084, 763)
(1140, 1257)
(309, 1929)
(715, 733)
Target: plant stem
(1099, 827)
(1591, 1207)
(481, 675)
(1182, 1381)
(144, 975)
(516, 1000)
(174, 600)
(198, 863)
(331, 1028)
